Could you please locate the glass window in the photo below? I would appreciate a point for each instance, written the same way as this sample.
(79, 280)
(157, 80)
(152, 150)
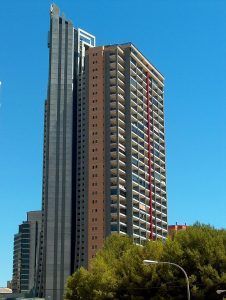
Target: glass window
(114, 227)
(114, 192)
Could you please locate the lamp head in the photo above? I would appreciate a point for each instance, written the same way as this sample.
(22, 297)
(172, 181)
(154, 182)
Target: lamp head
(149, 262)
(220, 292)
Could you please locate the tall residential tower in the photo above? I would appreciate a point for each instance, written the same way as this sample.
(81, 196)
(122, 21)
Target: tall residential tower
(25, 254)
(104, 151)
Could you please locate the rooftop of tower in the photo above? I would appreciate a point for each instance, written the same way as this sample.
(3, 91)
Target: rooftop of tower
(137, 51)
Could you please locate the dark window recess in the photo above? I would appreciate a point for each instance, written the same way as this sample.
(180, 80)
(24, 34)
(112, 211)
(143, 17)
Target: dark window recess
(114, 227)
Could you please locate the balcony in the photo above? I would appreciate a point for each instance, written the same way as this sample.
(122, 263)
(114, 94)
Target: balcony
(121, 131)
(113, 97)
(121, 107)
(137, 114)
(121, 99)
(157, 94)
(114, 171)
(113, 137)
(121, 172)
(113, 72)
(121, 138)
(121, 75)
(113, 105)
(113, 81)
(113, 112)
(113, 66)
(121, 180)
(114, 180)
(114, 163)
(121, 123)
(121, 91)
(120, 59)
(121, 67)
(113, 89)
(121, 116)
(121, 83)
(113, 121)
(112, 58)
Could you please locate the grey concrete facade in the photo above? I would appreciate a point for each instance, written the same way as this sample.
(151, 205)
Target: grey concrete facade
(58, 173)
(25, 258)
(34, 219)
(59, 242)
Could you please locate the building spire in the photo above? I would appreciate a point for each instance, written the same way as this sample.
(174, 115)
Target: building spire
(54, 9)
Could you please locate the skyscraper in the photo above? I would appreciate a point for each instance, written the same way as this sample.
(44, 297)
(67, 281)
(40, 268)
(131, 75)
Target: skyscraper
(104, 151)
(66, 51)
(125, 157)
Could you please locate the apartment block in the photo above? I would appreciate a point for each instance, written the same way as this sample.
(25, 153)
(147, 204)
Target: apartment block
(126, 191)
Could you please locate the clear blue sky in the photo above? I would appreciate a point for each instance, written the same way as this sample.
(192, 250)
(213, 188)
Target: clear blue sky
(184, 39)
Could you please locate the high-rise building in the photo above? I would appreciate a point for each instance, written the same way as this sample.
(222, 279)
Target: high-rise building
(25, 255)
(104, 151)
(125, 153)
(67, 47)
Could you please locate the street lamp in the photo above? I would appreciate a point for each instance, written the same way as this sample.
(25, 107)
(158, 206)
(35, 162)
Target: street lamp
(223, 292)
(149, 262)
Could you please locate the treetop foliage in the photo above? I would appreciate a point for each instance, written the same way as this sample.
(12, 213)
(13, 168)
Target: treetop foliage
(118, 272)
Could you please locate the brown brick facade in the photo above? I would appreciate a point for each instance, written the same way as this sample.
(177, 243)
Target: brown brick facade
(96, 152)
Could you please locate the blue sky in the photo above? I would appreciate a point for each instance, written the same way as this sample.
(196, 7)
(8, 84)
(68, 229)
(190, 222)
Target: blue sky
(185, 40)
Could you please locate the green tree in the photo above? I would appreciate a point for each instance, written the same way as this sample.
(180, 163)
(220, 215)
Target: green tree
(118, 272)
(202, 252)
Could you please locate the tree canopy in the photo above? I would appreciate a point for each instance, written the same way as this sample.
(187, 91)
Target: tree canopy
(118, 272)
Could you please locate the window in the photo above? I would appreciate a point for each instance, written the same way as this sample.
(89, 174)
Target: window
(157, 176)
(133, 61)
(135, 130)
(133, 82)
(122, 193)
(156, 153)
(135, 162)
(114, 191)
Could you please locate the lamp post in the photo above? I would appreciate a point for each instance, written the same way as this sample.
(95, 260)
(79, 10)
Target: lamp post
(149, 262)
